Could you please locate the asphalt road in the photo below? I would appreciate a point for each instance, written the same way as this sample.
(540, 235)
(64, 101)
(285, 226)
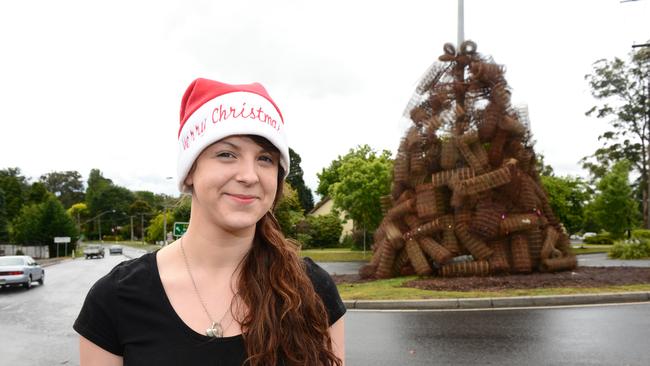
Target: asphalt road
(36, 329)
(36, 324)
(592, 335)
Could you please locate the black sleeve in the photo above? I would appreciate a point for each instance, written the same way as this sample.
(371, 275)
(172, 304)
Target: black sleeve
(98, 319)
(326, 289)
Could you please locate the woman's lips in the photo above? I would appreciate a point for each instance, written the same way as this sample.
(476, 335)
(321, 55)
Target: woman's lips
(242, 198)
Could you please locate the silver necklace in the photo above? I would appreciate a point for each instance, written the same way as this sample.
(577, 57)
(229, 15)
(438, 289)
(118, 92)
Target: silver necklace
(216, 329)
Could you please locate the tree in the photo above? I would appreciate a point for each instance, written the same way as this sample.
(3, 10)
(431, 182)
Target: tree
(38, 224)
(330, 175)
(155, 229)
(568, 197)
(146, 196)
(142, 212)
(622, 88)
(288, 211)
(4, 222)
(102, 195)
(183, 209)
(37, 193)
(56, 222)
(615, 208)
(79, 212)
(67, 186)
(542, 168)
(295, 178)
(96, 184)
(15, 187)
(362, 182)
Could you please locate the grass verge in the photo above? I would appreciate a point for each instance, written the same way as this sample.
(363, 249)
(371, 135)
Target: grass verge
(391, 289)
(336, 255)
(591, 248)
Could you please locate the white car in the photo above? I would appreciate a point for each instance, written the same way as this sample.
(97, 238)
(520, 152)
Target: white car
(20, 270)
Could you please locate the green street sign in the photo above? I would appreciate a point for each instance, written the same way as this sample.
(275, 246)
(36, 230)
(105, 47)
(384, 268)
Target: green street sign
(180, 228)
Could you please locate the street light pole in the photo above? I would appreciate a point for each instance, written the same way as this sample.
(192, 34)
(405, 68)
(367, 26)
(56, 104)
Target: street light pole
(461, 23)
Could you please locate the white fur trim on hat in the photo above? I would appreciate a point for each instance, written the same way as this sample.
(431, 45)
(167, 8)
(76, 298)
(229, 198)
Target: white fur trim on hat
(234, 113)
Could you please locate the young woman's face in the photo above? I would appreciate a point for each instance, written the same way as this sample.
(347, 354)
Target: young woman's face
(234, 182)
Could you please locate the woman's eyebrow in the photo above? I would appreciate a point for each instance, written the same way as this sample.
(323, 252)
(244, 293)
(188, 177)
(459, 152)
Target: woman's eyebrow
(234, 146)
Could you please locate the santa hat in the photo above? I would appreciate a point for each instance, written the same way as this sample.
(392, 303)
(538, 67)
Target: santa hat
(211, 111)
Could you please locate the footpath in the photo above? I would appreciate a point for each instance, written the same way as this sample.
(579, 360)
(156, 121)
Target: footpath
(585, 260)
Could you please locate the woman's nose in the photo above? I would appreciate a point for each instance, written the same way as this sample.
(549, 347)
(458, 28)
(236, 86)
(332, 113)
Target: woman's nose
(247, 172)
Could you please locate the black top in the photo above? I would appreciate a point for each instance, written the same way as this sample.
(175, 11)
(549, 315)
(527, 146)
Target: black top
(127, 313)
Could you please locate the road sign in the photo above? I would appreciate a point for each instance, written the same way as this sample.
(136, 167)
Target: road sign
(180, 228)
(61, 239)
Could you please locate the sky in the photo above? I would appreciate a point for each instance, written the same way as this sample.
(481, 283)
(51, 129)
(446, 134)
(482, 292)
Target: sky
(88, 84)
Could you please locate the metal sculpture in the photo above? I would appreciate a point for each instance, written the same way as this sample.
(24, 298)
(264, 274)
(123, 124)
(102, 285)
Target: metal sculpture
(466, 196)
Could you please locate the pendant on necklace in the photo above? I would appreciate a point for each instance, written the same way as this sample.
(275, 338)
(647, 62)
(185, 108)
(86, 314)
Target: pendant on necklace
(214, 331)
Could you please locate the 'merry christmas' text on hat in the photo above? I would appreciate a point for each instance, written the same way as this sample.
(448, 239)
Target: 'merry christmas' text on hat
(211, 111)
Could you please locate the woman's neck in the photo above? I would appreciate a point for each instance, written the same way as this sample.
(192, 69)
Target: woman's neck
(212, 247)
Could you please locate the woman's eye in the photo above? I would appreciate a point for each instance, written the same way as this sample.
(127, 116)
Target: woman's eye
(267, 159)
(225, 154)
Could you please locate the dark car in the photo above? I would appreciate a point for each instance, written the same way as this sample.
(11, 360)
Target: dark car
(20, 270)
(115, 249)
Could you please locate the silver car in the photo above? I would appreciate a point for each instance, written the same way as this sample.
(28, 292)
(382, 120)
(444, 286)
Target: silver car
(20, 270)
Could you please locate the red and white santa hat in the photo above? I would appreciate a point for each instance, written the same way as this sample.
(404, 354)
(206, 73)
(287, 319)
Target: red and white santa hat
(211, 111)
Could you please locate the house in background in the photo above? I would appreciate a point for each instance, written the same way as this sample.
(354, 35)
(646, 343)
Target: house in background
(324, 207)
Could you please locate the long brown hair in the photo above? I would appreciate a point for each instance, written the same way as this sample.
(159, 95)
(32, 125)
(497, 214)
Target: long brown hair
(286, 319)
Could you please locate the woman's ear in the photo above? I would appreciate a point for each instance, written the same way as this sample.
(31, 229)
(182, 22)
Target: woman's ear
(189, 179)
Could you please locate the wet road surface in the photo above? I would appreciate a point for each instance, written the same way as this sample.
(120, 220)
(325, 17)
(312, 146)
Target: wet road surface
(593, 335)
(36, 324)
(36, 329)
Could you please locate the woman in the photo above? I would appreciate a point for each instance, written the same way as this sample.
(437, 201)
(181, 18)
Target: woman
(232, 290)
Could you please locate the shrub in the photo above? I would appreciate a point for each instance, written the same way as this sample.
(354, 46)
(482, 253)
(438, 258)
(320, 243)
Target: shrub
(325, 230)
(347, 241)
(641, 234)
(112, 238)
(631, 250)
(304, 240)
(599, 239)
(357, 239)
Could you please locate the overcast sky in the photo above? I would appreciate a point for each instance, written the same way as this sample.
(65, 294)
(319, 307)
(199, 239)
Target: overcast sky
(85, 84)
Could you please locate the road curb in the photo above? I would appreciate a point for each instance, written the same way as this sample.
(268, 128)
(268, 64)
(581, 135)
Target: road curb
(499, 302)
(51, 263)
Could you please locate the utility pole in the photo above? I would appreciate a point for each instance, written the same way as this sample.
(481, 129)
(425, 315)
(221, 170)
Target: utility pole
(461, 24)
(131, 227)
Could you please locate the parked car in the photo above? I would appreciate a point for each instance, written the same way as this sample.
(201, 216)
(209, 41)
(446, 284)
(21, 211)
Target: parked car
(115, 249)
(20, 270)
(94, 251)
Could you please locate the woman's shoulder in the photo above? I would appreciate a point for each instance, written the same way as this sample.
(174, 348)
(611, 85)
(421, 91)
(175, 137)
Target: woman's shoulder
(128, 271)
(325, 287)
(315, 272)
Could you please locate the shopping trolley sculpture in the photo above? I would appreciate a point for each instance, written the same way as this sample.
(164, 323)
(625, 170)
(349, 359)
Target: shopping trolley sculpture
(466, 196)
